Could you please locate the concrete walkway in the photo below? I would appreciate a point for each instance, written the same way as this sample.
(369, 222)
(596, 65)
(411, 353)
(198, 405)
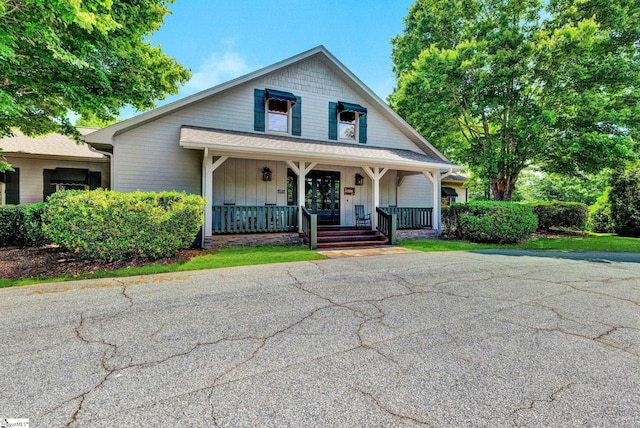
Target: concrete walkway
(416, 339)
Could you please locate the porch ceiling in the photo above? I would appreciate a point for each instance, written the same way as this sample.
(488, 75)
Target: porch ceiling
(274, 147)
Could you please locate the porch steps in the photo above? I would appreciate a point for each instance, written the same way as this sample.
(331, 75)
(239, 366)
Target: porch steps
(346, 238)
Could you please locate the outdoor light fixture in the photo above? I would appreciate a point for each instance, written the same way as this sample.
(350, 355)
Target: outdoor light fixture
(266, 174)
(359, 180)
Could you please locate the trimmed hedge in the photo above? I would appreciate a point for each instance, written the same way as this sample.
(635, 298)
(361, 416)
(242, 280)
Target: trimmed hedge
(488, 221)
(599, 220)
(12, 231)
(108, 225)
(33, 226)
(624, 199)
(571, 215)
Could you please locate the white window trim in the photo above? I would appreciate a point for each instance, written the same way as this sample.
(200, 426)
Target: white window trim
(356, 130)
(275, 131)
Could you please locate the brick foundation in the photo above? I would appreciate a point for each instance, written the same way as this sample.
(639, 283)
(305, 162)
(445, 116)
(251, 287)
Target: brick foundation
(404, 234)
(252, 239)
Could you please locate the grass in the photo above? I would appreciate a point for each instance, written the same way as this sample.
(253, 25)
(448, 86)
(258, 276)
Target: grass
(587, 242)
(225, 257)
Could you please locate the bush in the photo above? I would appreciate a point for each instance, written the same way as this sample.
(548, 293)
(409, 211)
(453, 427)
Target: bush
(497, 222)
(599, 220)
(107, 225)
(12, 231)
(556, 214)
(33, 227)
(624, 198)
(451, 220)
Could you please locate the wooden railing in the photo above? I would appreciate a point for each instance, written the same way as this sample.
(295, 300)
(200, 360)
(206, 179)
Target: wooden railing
(310, 227)
(412, 218)
(387, 225)
(254, 219)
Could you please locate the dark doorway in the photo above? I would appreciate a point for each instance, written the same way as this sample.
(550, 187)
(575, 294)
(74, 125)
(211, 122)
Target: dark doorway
(322, 196)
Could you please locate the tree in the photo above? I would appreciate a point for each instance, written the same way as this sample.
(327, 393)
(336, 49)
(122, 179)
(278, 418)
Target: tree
(91, 57)
(537, 186)
(504, 84)
(624, 198)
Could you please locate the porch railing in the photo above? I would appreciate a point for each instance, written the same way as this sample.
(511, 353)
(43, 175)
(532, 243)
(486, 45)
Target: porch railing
(387, 224)
(254, 219)
(412, 218)
(310, 227)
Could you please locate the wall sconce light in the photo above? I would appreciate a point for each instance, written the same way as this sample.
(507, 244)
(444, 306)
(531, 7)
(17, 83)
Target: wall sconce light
(266, 174)
(359, 180)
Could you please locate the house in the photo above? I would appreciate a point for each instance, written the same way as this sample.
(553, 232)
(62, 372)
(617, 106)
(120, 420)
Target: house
(453, 189)
(48, 163)
(304, 132)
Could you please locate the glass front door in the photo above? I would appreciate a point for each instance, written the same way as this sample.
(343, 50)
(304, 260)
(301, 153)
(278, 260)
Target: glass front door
(322, 196)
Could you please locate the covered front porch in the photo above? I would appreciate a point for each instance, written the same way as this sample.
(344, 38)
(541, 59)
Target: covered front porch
(264, 184)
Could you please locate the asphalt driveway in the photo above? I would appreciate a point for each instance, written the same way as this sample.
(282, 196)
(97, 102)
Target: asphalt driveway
(424, 339)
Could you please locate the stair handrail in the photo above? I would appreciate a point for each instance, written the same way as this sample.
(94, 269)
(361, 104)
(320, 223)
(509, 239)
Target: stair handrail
(310, 227)
(387, 225)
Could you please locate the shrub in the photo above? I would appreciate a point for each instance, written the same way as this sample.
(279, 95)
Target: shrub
(34, 232)
(497, 222)
(624, 198)
(451, 220)
(599, 220)
(107, 225)
(12, 231)
(571, 215)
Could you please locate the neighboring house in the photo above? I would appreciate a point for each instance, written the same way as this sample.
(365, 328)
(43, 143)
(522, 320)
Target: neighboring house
(453, 189)
(302, 132)
(49, 163)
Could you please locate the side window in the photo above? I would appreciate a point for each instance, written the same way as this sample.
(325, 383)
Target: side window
(278, 115)
(347, 122)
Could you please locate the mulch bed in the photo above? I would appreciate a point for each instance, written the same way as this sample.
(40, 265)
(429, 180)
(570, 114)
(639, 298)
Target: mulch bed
(17, 262)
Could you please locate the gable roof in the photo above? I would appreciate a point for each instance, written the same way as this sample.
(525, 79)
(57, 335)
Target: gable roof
(455, 176)
(49, 145)
(277, 147)
(105, 136)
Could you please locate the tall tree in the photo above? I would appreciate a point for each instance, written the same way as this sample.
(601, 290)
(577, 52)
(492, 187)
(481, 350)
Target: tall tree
(91, 57)
(503, 84)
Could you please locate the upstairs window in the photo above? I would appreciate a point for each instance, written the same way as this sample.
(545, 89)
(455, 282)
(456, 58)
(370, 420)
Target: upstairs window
(277, 111)
(347, 122)
(278, 115)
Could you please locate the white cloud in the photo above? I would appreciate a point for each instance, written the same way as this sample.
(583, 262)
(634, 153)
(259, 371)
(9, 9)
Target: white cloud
(217, 68)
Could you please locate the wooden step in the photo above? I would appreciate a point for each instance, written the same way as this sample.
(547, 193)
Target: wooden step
(350, 238)
(352, 244)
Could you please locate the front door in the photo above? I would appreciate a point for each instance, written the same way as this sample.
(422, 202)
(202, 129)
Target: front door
(322, 196)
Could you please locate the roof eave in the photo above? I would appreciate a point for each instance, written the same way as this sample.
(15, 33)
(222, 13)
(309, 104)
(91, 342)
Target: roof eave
(336, 159)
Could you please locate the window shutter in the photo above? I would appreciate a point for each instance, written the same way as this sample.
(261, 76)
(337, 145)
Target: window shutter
(362, 129)
(258, 110)
(12, 187)
(333, 121)
(47, 188)
(296, 117)
(95, 180)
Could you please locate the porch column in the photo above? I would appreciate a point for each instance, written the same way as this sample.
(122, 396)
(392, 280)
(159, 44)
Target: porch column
(375, 174)
(208, 167)
(434, 178)
(301, 170)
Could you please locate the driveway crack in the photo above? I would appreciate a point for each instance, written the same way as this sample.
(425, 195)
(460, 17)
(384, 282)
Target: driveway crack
(390, 412)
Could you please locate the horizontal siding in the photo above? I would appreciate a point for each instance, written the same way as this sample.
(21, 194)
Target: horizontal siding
(149, 157)
(415, 191)
(32, 180)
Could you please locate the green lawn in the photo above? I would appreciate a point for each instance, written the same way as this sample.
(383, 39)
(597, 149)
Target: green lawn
(226, 257)
(590, 242)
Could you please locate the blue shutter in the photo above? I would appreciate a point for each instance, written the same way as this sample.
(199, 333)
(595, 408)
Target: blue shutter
(333, 121)
(258, 110)
(362, 129)
(296, 117)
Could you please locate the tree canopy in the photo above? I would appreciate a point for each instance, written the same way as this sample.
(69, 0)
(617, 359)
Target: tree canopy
(91, 57)
(503, 84)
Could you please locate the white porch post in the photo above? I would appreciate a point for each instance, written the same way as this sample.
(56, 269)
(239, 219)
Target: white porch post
(434, 178)
(301, 170)
(375, 175)
(208, 167)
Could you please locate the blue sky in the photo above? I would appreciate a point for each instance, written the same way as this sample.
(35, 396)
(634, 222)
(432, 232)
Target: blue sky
(220, 40)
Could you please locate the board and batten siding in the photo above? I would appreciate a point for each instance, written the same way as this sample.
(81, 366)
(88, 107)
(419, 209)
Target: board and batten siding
(32, 178)
(149, 157)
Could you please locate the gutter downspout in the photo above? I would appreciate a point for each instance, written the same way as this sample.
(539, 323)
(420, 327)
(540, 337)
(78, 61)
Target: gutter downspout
(205, 157)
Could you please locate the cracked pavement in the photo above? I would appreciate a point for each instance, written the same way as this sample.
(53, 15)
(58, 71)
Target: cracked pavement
(417, 339)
